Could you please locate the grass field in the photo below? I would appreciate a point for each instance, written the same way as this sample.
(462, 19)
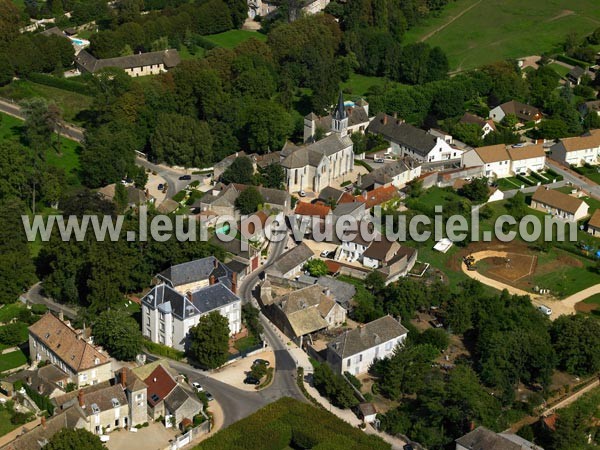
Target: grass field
(493, 30)
(359, 85)
(11, 360)
(70, 103)
(232, 38)
(10, 311)
(561, 70)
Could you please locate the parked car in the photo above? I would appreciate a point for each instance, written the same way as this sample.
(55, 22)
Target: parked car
(380, 160)
(209, 396)
(185, 177)
(197, 386)
(261, 361)
(544, 309)
(302, 193)
(408, 447)
(251, 380)
(324, 253)
(160, 187)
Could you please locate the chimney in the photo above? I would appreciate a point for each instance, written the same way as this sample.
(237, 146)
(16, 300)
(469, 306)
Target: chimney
(212, 280)
(43, 422)
(216, 263)
(124, 377)
(188, 294)
(80, 398)
(385, 119)
(234, 282)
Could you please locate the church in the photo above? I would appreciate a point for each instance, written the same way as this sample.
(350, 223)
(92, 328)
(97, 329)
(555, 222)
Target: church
(315, 165)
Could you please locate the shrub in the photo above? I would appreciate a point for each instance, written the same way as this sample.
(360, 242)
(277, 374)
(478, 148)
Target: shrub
(163, 350)
(60, 83)
(39, 309)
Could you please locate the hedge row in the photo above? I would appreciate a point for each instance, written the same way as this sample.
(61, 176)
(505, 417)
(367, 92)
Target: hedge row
(163, 350)
(555, 176)
(60, 83)
(574, 62)
(44, 403)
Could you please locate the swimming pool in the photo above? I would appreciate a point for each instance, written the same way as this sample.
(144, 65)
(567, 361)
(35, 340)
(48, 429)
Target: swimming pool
(80, 42)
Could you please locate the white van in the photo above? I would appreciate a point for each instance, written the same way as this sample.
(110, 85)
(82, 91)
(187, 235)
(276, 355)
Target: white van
(544, 309)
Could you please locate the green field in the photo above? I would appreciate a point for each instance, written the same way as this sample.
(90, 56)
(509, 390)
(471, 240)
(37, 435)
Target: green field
(493, 30)
(70, 103)
(359, 85)
(232, 38)
(11, 360)
(561, 70)
(10, 311)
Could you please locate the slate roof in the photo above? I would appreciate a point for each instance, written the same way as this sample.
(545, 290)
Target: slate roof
(273, 196)
(302, 157)
(212, 297)
(576, 72)
(341, 291)
(557, 199)
(483, 439)
(419, 141)
(178, 397)
(292, 258)
(347, 208)
(170, 58)
(234, 247)
(384, 175)
(340, 111)
(368, 336)
(236, 266)
(103, 398)
(312, 154)
(330, 193)
(65, 343)
(160, 384)
(194, 271)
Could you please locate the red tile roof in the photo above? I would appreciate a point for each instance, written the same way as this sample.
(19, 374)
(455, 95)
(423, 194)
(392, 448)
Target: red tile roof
(309, 209)
(160, 384)
(378, 196)
(332, 266)
(347, 198)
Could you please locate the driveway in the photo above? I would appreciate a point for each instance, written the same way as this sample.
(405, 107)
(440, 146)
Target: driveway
(234, 374)
(153, 437)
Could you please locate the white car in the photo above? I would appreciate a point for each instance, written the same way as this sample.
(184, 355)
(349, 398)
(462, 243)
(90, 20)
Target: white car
(302, 194)
(544, 309)
(197, 386)
(324, 253)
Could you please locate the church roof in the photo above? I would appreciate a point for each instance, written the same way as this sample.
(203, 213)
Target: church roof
(340, 111)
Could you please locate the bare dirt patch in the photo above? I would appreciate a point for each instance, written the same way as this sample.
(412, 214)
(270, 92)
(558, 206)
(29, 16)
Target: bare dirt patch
(585, 307)
(512, 268)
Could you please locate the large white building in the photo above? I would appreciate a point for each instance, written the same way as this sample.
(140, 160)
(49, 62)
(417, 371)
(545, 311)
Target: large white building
(577, 151)
(315, 166)
(355, 350)
(185, 293)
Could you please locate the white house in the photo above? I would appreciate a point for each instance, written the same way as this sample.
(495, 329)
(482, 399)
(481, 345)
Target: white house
(527, 159)
(559, 205)
(487, 126)
(577, 151)
(407, 140)
(495, 160)
(187, 292)
(355, 350)
(316, 165)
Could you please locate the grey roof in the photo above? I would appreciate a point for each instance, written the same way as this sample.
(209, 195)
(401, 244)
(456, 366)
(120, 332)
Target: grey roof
(170, 58)
(275, 196)
(54, 31)
(213, 297)
(203, 300)
(178, 397)
(194, 271)
(340, 111)
(234, 247)
(330, 193)
(367, 336)
(576, 72)
(483, 439)
(384, 175)
(292, 258)
(237, 266)
(312, 154)
(341, 291)
(103, 398)
(347, 208)
(419, 141)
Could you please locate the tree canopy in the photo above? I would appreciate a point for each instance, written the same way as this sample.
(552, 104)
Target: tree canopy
(209, 340)
(119, 334)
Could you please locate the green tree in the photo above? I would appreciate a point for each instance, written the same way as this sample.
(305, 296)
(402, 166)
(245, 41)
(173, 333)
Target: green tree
(121, 198)
(241, 171)
(334, 387)
(469, 133)
(6, 70)
(477, 190)
(576, 340)
(268, 125)
(437, 337)
(316, 267)
(76, 439)
(249, 200)
(119, 334)
(250, 317)
(209, 340)
(273, 176)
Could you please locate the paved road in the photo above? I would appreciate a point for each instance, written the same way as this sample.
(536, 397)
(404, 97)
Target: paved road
(35, 295)
(575, 179)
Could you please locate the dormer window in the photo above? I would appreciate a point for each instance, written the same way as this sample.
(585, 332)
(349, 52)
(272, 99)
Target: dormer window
(96, 361)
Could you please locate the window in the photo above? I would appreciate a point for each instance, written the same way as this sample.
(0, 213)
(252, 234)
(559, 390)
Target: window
(388, 346)
(83, 377)
(117, 423)
(348, 363)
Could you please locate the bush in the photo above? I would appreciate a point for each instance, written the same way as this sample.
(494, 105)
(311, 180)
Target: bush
(553, 175)
(353, 380)
(525, 181)
(13, 334)
(572, 61)
(39, 309)
(60, 83)
(43, 402)
(163, 350)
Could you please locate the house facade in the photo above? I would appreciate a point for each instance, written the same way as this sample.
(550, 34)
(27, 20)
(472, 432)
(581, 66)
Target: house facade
(523, 112)
(396, 174)
(494, 159)
(138, 65)
(577, 151)
(593, 226)
(186, 293)
(559, 205)
(355, 350)
(527, 159)
(52, 339)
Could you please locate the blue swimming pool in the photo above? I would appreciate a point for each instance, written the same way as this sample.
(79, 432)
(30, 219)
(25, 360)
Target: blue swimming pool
(78, 41)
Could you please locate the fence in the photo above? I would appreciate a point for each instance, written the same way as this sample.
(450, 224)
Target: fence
(188, 437)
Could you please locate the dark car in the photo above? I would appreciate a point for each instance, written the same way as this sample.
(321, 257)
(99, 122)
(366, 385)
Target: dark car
(408, 447)
(209, 396)
(160, 187)
(261, 361)
(251, 380)
(185, 177)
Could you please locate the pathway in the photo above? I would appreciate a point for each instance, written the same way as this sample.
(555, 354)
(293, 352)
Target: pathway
(559, 307)
(441, 27)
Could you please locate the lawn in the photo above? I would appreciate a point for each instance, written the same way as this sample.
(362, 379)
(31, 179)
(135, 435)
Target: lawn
(184, 53)
(493, 30)
(6, 426)
(10, 311)
(70, 103)
(359, 85)
(509, 183)
(561, 70)
(592, 172)
(232, 38)
(593, 300)
(11, 360)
